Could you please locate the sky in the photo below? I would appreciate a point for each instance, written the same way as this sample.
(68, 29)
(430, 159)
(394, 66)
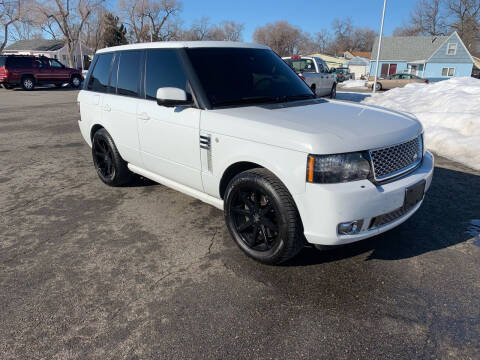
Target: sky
(311, 15)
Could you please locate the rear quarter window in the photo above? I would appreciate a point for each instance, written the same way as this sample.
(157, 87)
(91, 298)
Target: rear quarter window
(99, 79)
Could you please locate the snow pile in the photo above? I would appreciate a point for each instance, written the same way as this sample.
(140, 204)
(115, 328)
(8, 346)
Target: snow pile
(352, 84)
(449, 111)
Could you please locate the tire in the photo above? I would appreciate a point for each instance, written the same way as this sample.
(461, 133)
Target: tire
(8, 86)
(314, 89)
(333, 92)
(75, 81)
(28, 83)
(378, 87)
(110, 166)
(59, 85)
(262, 218)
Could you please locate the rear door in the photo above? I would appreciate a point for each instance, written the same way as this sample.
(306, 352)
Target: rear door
(169, 136)
(119, 107)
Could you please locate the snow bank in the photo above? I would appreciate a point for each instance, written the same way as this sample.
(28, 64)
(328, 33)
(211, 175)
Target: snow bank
(352, 84)
(449, 111)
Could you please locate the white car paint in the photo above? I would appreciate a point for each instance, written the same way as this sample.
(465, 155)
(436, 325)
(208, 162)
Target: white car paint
(162, 144)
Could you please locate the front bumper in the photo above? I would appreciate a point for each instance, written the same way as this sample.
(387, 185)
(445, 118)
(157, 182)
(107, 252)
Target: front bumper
(323, 206)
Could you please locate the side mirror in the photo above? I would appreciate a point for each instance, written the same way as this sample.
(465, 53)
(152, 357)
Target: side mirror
(171, 97)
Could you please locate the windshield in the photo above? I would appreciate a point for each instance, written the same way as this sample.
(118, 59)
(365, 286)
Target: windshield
(301, 65)
(237, 76)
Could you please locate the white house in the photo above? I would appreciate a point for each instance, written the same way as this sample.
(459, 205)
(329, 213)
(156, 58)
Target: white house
(52, 49)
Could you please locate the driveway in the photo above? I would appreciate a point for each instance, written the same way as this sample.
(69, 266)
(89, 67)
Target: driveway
(140, 272)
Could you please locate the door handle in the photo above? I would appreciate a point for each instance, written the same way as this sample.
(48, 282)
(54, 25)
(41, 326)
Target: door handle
(107, 108)
(143, 116)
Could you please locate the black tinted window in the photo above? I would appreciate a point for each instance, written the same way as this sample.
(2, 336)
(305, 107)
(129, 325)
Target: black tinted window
(129, 73)
(232, 76)
(113, 76)
(99, 78)
(3, 60)
(163, 69)
(20, 62)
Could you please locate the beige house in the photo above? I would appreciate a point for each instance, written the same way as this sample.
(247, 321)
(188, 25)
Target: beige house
(332, 61)
(51, 49)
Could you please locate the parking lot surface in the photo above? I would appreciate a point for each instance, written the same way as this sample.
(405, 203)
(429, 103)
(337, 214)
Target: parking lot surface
(89, 271)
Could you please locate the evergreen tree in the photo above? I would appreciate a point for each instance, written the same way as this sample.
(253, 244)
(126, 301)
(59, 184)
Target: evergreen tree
(114, 33)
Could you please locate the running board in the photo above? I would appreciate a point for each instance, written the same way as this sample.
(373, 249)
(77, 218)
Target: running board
(218, 203)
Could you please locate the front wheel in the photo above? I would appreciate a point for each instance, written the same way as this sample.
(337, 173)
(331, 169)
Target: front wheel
(378, 87)
(110, 166)
(333, 92)
(262, 217)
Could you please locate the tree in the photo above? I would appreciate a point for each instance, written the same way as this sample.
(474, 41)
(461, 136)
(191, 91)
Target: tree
(343, 32)
(113, 32)
(282, 37)
(147, 19)
(323, 39)
(464, 18)
(428, 18)
(68, 18)
(10, 13)
(363, 39)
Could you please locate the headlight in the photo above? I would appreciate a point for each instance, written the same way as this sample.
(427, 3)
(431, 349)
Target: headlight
(327, 169)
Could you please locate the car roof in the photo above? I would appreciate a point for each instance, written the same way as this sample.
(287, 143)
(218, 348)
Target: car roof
(184, 44)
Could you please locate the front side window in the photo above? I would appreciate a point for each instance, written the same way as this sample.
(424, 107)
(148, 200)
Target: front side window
(55, 64)
(242, 76)
(129, 73)
(452, 49)
(163, 69)
(99, 78)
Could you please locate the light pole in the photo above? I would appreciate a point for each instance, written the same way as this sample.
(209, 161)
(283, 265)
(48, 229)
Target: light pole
(379, 46)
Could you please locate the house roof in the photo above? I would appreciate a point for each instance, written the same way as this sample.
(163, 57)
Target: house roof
(407, 48)
(37, 45)
(359, 61)
(363, 54)
(330, 59)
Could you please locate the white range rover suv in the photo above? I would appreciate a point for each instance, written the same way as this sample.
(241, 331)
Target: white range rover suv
(233, 125)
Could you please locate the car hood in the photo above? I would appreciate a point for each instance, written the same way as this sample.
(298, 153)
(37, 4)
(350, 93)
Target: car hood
(324, 127)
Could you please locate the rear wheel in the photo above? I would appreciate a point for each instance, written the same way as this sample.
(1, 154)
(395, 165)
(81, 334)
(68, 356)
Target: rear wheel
(110, 166)
(262, 217)
(28, 83)
(75, 81)
(378, 86)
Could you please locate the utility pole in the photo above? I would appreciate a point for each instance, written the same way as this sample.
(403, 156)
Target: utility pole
(379, 46)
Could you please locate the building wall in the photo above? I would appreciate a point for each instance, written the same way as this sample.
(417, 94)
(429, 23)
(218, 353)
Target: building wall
(461, 56)
(433, 71)
(401, 66)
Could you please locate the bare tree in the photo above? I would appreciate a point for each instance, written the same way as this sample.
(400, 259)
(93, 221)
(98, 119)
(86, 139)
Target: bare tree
(282, 37)
(10, 13)
(68, 17)
(464, 18)
(343, 32)
(363, 39)
(323, 39)
(147, 19)
(93, 29)
(428, 18)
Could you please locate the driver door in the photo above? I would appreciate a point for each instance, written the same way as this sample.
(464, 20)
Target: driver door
(59, 72)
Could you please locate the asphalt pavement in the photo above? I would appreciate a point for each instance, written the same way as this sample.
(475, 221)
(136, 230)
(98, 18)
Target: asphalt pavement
(144, 272)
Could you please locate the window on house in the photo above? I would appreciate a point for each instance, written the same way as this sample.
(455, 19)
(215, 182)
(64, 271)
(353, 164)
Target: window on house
(452, 49)
(448, 71)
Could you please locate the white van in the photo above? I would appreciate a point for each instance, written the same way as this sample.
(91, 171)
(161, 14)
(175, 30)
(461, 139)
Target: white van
(234, 126)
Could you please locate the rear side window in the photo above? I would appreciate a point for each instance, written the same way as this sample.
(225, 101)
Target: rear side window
(113, 77)
(21, 62)
(3, 60)
(99, 78)
(163, 69)
(129, 73)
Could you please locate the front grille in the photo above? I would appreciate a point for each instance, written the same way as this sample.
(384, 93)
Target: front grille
(394, 160)
(387, 218)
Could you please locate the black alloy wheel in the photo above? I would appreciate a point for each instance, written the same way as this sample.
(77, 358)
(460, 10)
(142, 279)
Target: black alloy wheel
(262, 217)
(333, 93)
(255, 219)
(103, 158)
(110, 166)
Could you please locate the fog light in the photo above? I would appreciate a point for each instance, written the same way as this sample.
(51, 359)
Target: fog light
(350, 228)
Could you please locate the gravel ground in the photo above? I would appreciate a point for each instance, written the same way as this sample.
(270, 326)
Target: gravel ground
(88, 271)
